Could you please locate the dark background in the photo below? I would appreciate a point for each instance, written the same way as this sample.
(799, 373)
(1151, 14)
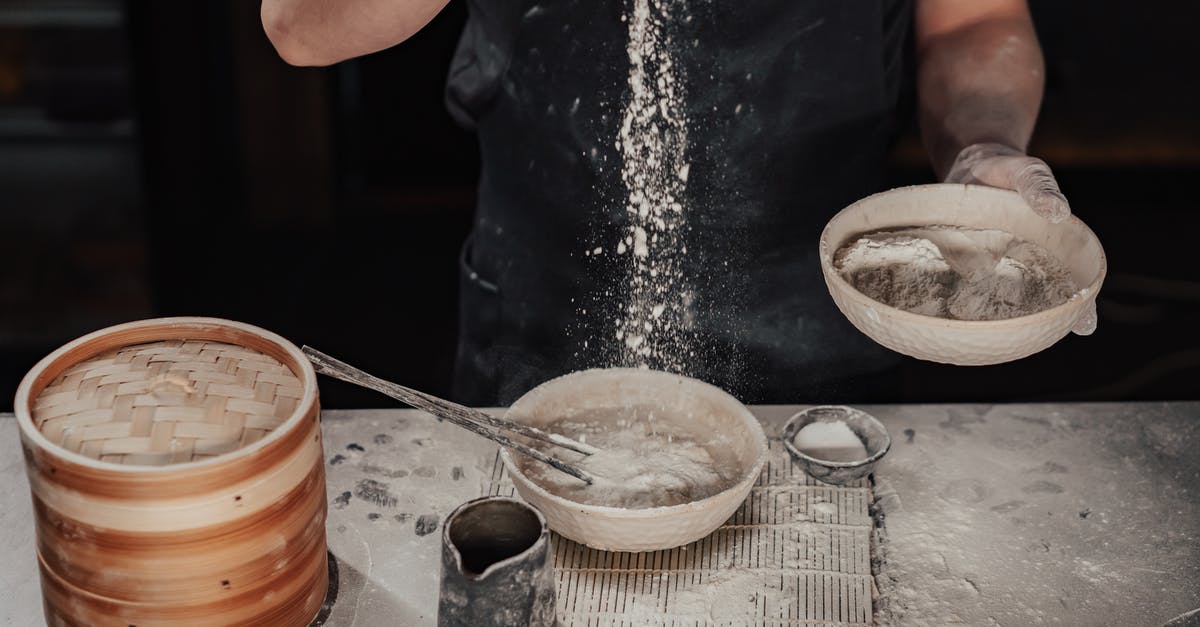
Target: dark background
(157, 158)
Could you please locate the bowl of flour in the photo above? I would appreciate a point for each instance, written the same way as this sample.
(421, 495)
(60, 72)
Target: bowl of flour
(959, 274)
(677, 457)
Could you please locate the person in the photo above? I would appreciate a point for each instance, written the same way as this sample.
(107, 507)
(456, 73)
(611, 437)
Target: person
(790, 109)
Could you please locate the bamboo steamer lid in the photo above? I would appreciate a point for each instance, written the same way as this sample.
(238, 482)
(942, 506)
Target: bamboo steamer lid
(177, 476)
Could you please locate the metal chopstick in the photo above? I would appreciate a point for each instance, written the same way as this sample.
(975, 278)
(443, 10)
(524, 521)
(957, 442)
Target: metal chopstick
(466, 417)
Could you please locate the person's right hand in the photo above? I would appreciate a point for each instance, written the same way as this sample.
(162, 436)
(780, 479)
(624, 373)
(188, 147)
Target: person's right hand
(997, 165)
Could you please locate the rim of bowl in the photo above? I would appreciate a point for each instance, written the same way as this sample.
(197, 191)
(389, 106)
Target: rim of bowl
(622, 512)
(1089, 291)
(449, 544)
(791, 448)
(22, 402)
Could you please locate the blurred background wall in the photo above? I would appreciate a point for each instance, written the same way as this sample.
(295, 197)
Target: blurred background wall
(157, 158)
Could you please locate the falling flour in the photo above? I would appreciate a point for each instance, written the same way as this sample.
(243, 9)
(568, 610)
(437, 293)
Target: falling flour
(955, 272)
(650, 325)
(644, 460)
(830, 441)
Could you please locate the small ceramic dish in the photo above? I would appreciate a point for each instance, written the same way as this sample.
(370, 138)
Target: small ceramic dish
(646, 529)
(869, 430)
(963, 342)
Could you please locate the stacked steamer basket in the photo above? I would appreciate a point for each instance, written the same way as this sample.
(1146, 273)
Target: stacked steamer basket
(177, 477)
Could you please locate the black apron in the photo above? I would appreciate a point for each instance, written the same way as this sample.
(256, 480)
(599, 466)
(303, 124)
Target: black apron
(792, 107)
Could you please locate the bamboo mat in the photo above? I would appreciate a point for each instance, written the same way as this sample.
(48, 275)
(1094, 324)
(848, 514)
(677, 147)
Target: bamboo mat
(798, 552)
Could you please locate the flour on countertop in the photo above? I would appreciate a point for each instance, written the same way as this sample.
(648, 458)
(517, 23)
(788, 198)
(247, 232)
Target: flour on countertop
(734, 596)
(955, 272)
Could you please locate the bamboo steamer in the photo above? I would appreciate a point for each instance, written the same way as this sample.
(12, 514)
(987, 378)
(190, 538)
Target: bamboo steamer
(177, 477)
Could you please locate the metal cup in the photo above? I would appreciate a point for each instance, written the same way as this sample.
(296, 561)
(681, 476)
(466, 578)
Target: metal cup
(496, 567)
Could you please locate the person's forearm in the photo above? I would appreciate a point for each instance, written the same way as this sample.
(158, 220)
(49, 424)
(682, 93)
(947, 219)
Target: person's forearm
(323, 32)
(980, 77)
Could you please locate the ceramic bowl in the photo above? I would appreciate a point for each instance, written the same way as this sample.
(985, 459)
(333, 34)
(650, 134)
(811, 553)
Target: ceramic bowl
(649, 529)
(963, 342)
(873, 434)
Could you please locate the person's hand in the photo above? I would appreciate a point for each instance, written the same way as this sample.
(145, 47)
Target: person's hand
(997, 165)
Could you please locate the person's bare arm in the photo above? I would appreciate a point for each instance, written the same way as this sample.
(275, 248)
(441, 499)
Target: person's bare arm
(324, 32)
(980, 76)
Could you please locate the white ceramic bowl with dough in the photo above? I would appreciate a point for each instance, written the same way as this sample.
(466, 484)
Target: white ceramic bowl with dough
(963, 342)
(650, 529)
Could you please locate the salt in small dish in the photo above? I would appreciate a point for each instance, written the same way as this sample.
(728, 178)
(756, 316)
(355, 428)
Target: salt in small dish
(866, 427)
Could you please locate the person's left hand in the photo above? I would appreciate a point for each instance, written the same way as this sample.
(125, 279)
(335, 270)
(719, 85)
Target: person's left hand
(997, 165)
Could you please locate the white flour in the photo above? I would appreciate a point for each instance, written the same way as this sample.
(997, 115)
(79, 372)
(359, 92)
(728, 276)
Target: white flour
(652, 142)
(644, 461)
(954, 272)
(831, 441)
(736, 597)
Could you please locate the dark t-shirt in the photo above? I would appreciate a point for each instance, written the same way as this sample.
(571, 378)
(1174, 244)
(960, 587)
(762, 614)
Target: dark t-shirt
(791, 109)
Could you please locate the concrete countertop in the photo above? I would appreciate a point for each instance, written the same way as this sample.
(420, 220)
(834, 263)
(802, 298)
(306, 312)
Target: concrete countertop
(1073, 514)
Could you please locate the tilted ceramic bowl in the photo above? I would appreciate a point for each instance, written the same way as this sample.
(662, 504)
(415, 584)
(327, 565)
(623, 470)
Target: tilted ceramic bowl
(649, 529)
(963, 342)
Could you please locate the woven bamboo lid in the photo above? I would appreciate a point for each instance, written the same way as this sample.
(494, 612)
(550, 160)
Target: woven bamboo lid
(166, 402)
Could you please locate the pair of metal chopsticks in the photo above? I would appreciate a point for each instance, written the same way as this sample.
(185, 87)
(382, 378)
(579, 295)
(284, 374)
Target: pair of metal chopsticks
(473, 420)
